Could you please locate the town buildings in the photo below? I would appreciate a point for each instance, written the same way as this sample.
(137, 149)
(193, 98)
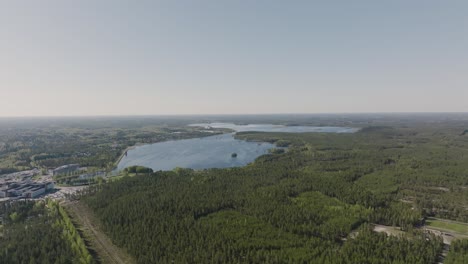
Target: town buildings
(24, 189)
(65, 169)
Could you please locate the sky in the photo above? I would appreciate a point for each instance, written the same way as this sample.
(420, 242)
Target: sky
(113, 57)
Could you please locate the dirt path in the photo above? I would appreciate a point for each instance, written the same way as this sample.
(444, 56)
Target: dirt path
(107, 252)
(389, 230)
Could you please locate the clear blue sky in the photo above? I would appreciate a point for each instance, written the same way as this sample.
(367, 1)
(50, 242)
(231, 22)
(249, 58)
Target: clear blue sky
(115, 57)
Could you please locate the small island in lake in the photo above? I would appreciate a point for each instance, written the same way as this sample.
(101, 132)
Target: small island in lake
(234, 155)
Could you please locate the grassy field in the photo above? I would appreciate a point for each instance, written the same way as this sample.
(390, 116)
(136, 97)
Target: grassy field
(458, 227)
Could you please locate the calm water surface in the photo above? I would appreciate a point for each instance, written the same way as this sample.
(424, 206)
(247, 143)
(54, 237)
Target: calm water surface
(278, 128)
(213, 151)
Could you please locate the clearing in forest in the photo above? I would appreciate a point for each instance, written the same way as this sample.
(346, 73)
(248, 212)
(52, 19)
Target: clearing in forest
(106, 251)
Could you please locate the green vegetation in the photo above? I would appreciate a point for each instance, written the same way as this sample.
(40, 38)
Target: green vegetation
(311, 204)
(378, 248)
(461, 228)
(137, 169)
(314, 203)
(40, 232)
(458, 253)
(276, 151)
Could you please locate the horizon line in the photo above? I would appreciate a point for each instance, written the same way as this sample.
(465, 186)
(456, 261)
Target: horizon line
(227, 114)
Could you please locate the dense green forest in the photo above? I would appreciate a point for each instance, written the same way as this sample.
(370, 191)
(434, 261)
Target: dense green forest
(39, 232)
(458, 253)
(314, 203)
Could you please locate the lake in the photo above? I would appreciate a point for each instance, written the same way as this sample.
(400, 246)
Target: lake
(213, 151)
(278, 128)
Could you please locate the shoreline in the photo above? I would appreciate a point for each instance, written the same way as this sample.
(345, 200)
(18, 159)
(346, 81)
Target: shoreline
(116, 163)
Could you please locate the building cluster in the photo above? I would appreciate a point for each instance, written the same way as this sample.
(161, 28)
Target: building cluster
(65, 169)
(22, 175)
(24, 189)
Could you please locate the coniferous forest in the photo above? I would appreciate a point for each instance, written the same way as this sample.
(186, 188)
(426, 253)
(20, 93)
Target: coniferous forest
(317, 198)
(40, 232)
(234, 132)
(315, 203)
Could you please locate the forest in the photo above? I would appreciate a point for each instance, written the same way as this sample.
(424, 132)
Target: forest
(317, 202)
(314, 199)
(39, 232)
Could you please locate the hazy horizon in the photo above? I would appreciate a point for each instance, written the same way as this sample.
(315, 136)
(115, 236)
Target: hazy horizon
(148, 58)
(238, 115)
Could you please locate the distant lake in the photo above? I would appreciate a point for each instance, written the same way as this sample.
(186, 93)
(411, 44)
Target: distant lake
(213, 151)
(197, 153)
(278, 128)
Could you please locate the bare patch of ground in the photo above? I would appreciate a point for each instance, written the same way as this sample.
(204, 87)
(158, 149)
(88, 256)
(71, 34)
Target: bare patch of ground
(444, 189)
(389, 230)
(447, 237)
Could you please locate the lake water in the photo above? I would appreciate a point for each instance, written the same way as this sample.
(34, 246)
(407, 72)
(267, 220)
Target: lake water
(213, 151)
(278, 128)
(198, 153)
